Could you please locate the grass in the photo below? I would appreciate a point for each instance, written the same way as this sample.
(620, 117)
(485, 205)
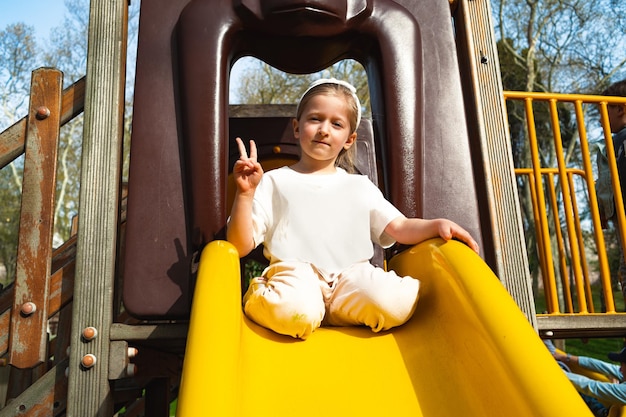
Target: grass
(594, 348)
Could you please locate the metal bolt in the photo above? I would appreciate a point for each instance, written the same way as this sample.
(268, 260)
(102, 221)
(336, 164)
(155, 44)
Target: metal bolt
(89, 360)
(42, 113)
(90, 333)
(131, 370)
(483, 58)
(28, 308)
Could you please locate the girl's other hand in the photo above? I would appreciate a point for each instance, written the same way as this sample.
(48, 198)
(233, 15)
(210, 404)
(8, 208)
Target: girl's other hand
(448, 230)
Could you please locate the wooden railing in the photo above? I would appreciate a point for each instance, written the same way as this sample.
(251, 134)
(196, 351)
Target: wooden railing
(44, 277)
(12, 140)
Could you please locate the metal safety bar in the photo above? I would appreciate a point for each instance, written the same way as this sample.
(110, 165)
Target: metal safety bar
(556, 203)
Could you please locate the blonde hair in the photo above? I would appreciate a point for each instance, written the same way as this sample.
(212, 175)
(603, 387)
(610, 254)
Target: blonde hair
(331, 87)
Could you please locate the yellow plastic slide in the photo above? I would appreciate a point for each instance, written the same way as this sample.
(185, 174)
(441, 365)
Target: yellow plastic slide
(467, 351)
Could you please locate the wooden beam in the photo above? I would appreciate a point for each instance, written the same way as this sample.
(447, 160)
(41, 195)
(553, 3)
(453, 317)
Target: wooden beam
(12, 140)
(89, 388)
(60, 289)
(29, 318)
(60, 294)
(593, 325)
(505, 248)
(149, 332)
(44, 398)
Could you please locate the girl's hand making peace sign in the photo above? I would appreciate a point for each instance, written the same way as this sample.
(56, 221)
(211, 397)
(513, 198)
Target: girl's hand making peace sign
(247, 170)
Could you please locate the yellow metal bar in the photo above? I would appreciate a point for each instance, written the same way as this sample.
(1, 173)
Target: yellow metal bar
(567, 207)
(554, 171)
(603, 263)
(571, 172)
(569, 98)
(547, 251)
(571, 213)
(562, 261)
(579, 236)
(541, 243)
(538, 233)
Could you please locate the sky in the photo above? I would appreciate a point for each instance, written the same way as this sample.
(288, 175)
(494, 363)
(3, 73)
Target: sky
(41, 14)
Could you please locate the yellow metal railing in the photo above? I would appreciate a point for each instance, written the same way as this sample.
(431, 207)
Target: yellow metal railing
(552, 192)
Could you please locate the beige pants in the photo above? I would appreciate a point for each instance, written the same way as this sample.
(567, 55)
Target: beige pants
(295, 298)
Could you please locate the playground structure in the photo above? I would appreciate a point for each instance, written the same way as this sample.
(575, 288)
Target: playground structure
(556, 194)
(126, 279)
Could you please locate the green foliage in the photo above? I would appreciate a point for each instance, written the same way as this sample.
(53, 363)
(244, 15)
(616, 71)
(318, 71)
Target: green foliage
(594, 348)
(251, 269)
(10, 197)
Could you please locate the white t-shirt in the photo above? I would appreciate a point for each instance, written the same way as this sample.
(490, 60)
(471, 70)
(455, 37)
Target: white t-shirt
(327, 220)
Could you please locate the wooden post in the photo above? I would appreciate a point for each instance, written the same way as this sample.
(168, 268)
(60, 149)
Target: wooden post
(45, 397)
(29, 318)
(488, 126)
(89, 386)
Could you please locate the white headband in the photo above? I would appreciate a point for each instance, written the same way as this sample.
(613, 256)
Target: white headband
(345, 84)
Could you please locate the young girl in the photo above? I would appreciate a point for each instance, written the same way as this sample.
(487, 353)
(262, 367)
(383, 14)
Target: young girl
(318, 222)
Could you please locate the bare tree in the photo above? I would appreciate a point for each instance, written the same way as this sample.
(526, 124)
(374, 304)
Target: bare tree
(67, 51)
(18, 56)
(260, 83)
(569, 46)
(574, 44)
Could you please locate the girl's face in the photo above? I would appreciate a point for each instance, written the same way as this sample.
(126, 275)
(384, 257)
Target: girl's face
(324, 128)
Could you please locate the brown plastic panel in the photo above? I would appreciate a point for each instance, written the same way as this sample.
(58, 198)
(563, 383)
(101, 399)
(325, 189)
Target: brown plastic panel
(180, 150)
